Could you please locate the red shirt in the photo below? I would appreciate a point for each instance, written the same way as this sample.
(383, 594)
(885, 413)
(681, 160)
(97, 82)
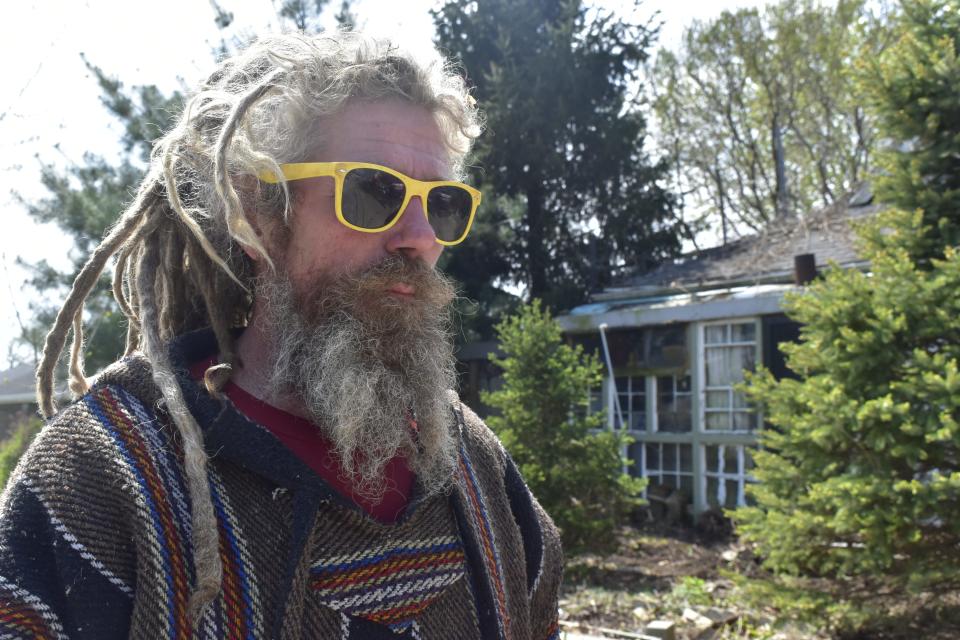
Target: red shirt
(307, 442)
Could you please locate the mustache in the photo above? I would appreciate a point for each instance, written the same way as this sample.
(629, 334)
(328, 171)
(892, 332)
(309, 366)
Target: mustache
(360, 293)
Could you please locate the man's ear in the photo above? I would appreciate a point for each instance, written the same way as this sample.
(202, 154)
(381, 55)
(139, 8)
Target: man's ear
(246, 187)
(252, 252)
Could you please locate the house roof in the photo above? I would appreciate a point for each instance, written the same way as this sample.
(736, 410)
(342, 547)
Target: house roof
(18, 384)
(743, 278)
(761, 258)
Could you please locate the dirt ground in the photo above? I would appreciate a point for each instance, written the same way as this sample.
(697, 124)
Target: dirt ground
(676, 574)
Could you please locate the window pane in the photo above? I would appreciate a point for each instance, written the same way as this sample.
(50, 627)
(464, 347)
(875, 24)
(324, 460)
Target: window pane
(634, 453)
(740, 401)
(743, 421)
(666, 423)
(623, 384)
(710, 453)
(745, 332)
(715, 334)
(669, 457)
(730, 463)
(733, 488)
(718, 399)
(717, 366)
(637, 403)
(714, 364)
(683, 384)
(746, 359)
(718, 421)
(686, 457)
(653, 456)
(665, 386)
(673, 411)
(596, 401)
(676, 421)
(712, 486)
(725, 365)
(686, 485)
(638, 422)
(683, 413)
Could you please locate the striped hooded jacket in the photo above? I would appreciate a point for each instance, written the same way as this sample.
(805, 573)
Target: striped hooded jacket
(95, 533)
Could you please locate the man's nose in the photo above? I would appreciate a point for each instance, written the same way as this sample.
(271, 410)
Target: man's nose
(412, 234)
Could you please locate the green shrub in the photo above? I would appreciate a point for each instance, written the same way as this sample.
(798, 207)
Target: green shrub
(690, 592)
(13, 447)
(572, 465)
(859, 473)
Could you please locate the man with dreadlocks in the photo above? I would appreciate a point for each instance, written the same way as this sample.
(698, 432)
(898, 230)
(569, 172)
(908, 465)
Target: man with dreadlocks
(279, 454)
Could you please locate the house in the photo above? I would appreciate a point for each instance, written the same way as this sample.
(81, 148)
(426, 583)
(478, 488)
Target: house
(680, 338)
(18, 396)
(477, 373)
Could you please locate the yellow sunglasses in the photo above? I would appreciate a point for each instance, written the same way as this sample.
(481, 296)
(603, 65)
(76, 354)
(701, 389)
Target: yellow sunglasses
(371, 198)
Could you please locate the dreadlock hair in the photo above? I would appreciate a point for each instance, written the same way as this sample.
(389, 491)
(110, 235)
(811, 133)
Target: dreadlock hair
(178, 246)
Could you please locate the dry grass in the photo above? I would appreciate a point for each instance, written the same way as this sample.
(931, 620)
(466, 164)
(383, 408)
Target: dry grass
(662, 573)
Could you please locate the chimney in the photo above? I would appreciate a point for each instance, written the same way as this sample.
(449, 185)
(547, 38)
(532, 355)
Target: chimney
(804, 268)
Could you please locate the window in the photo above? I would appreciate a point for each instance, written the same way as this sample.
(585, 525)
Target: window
(729, 349)
(777, 330)
(631, 393)
(673, 403)
(667, 347)
(626, 347)
(648, 348)
(726, 469)
(665, 463)
(593, 406)
(595, 400)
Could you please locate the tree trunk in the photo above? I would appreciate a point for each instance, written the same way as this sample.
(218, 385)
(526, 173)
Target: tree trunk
(781, 204)
(536, 244)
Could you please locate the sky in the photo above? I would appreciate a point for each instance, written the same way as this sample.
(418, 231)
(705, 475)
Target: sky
(50, 108)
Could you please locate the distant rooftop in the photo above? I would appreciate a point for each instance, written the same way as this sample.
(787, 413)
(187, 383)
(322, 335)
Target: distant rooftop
(766, 257)
(18, 384)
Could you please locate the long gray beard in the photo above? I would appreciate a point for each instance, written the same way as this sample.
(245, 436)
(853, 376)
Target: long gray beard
(366, 366)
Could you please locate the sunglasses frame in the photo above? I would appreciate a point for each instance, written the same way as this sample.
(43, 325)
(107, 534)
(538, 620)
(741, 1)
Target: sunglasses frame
(412, 187)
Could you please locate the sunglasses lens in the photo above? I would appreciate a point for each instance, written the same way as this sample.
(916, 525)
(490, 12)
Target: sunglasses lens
(371, 198)
(449, 210)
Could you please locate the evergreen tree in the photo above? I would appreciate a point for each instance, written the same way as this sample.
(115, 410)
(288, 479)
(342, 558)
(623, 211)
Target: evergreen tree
(573, 198)
(913, 90)
(84, 200)
(345, 17)
(859, 474)
(571, 464)
(304, 15)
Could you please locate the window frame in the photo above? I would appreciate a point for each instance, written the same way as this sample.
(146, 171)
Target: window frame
(741, 475)
(670, 477)
(701, 356)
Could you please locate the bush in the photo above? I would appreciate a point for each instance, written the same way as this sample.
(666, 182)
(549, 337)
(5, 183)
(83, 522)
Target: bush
(14, 446)
(858, 500)
(572, 465)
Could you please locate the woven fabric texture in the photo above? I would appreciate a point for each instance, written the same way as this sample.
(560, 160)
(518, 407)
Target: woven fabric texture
(95, 533)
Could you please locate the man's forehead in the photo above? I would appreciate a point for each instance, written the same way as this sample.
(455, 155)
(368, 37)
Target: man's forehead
(399, 135)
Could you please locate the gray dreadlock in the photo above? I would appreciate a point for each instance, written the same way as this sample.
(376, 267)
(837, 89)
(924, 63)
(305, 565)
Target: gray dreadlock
(179, 261)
